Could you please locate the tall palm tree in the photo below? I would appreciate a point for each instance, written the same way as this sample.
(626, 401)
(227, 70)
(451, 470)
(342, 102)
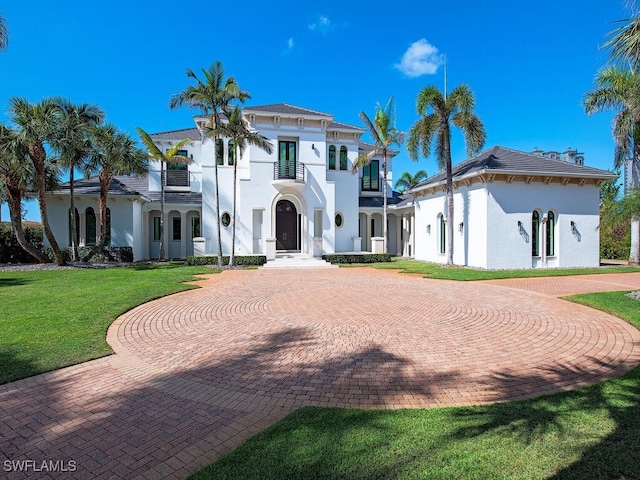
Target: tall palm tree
(438, 113)
(618, 89)
(112, 153)
(408, 181)
(171, 156)
(16, 176)
(71, 141)
(238, 132)
(4, 34)
(384, 133)
(212, 96)
(36, 124)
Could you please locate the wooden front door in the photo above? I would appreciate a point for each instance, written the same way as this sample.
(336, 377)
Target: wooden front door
(286, 226)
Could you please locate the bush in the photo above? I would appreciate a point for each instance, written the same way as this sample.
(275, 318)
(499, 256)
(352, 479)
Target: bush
(11, 251)
(108, 254)
(357, 257)
(243, 260)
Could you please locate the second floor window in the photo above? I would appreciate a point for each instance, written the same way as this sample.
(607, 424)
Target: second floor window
(178, 173)
(219, 151)
(287, 159)
(332, 157)
(231, 148)
(371, 176)
(343, 158)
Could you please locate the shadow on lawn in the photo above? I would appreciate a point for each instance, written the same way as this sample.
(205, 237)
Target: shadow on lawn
(14, 282)
(13, 366)
(614, 456)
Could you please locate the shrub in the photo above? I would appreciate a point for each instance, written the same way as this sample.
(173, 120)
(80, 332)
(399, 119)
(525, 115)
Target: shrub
(357, 257)
(108, 254)
(242, 260)
(11, 251)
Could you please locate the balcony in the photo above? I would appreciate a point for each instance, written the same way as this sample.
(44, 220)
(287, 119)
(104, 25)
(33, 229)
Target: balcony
(293, 171)
(177, 178)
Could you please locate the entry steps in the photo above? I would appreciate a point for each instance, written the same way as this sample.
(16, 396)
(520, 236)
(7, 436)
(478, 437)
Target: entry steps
(297, 260)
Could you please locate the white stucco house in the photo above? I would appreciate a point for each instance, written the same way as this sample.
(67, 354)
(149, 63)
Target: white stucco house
(302, 198)
(512, 210)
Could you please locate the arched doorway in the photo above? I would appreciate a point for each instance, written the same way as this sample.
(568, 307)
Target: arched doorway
(287, 226)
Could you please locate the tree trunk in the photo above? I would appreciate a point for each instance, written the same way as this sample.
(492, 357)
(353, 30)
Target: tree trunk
(447, 156)
(105, 181)
(38, 157)
(233, 225)
(634, 167)
(385, 233)
(161, 255)
(15, 213)
(74, 232)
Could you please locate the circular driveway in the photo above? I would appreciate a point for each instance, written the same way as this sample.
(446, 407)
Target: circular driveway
(373, 338)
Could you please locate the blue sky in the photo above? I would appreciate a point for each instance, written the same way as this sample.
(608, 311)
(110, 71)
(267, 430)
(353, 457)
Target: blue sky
(528, 63)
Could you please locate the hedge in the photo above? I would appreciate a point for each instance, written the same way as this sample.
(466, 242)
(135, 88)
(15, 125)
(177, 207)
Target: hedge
(357, 257)
(243, 260)
(108, 254)
(10, 251)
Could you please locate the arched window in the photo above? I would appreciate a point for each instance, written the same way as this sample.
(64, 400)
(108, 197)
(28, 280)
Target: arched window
(443, 233)
(535, 234)
(231, 152)
(219, 151)
(551, 237)
(77, 227)
(343, 158)
(332, 157)
(90, 226)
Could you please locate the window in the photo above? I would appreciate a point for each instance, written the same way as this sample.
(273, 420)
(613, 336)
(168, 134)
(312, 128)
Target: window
(231, 152)
(551, 226)
(156, 229)
(332, 157)
(195, 227)
(535, 234)
(371, 176)
(443, 234)
(343, 158)
(176, 228)
(338, 220)
(287, 159)
(226, 219)
(219, 151)
(90, 226)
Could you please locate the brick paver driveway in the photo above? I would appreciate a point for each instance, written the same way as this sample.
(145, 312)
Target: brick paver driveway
(197, 373)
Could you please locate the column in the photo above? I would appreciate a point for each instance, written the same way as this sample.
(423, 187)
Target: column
(145, 235)
(183, 235)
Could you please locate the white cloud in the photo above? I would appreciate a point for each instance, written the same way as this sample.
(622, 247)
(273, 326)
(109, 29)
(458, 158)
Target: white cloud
(321, 24)
(290, 43)
(421, 58)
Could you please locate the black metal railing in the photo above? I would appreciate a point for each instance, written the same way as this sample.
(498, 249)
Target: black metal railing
(288, 171)
(177, 178)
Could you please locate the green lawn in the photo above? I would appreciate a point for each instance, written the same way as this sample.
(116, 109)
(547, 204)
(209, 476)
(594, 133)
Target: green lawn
(52, 319)
(433, 270)
(588, 433)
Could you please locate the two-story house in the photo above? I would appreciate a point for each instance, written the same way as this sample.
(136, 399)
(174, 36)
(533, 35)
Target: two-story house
(303, 197)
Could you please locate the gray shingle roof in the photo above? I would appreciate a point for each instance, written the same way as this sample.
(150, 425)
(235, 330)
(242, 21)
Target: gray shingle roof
(192, 133)
(504, 160)
(285, 108)
(378, 202)
(340, 125)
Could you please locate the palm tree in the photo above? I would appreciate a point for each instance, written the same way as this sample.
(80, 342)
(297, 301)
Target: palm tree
(112, 153)
(212, 96)
(438, 113)
(16, 176)
(384, 133)
(171, 156)
(4, 34)
(238, 132)
(36, 125)
(71, 141)
(618, 89)
(408, 181)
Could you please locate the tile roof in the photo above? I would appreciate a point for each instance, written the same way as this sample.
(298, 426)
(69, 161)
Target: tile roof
(505, 160)
(285, 108)
(180, 134)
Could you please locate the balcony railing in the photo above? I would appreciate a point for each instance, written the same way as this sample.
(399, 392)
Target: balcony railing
(289, 171)
(177, 178)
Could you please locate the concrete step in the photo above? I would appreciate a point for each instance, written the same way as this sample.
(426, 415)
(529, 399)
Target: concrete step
(297, 260)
